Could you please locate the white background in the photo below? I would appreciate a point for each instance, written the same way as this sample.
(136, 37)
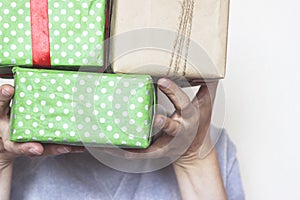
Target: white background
(262, 96)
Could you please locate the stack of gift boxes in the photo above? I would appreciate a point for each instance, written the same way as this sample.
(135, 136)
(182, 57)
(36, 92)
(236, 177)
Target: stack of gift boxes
(82, 69)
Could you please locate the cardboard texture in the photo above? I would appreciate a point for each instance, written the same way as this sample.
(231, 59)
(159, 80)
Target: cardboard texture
(65, 107)
(170, 37)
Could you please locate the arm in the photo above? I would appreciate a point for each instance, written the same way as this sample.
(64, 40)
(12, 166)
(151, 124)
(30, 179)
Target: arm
(5, 179)
(182, 137)
(200, 179)
(10, 150)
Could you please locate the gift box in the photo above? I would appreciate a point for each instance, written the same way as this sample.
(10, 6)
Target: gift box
(82, 108)
(185, 38)
(57, 33)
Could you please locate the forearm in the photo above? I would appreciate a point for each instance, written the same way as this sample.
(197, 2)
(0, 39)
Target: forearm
(200, 179)
(5, 180)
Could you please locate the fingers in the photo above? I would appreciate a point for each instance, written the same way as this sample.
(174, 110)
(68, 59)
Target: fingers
(28, 149)
(204, 101)
(150, 153)
(15, 149)
(37, 149)
(6, 93)
(206, 94)
(52, 149)
(174, 93)
(157, 149)
(169, 126)
(8, 147)
(56, 149)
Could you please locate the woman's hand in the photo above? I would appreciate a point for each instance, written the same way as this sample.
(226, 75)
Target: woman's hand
(9, 150)
(198, 177)
(183, 133)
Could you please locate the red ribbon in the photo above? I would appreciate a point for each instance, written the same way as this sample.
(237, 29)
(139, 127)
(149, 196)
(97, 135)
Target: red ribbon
(108, 13)
(40, 33)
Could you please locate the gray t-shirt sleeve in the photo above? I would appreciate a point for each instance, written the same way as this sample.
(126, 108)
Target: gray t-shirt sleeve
(227, 155)
(80, 176)
(234, 184)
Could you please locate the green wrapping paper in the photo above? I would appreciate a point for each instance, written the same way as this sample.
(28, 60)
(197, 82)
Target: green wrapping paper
(76, 33)
(65, 107)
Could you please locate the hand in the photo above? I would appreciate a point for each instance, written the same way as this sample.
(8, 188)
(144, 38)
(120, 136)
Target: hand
(9, 150)
(183, 133)
(183, 136)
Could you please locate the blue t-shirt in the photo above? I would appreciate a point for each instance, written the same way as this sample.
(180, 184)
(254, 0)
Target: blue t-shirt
(80, 176)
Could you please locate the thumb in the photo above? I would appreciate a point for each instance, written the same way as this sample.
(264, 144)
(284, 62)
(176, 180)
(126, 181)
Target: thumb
(6, 93)
(206, 94)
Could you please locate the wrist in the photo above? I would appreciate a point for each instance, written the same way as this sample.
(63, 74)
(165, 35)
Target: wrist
(200, 178)
(4, 164)
(193, 159)
(6, 160)
(199, 151)
(6, 170)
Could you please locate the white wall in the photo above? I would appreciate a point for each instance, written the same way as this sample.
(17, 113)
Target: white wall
(262, 96)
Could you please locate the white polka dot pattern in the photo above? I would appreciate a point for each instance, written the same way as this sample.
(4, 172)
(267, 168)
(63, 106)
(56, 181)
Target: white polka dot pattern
(15, 34)
(76, 31)
(71, 106)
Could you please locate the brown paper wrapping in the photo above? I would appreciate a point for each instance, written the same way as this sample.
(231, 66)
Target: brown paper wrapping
(170, 37)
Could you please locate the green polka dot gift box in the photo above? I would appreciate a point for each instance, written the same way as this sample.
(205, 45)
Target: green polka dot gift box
(57, 33)
(82, 108)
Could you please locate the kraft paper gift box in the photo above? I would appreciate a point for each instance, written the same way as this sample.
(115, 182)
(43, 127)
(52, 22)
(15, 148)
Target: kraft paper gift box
(168, 37)
(76, 108)
(56, 33)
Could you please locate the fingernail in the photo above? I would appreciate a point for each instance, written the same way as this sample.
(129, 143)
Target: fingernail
(78, 150)
(110, 152)
(63, 150)
(5, 93)
(130, 155)
(107, 151)
(159, 123)
(164, 83)
(34, 151)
